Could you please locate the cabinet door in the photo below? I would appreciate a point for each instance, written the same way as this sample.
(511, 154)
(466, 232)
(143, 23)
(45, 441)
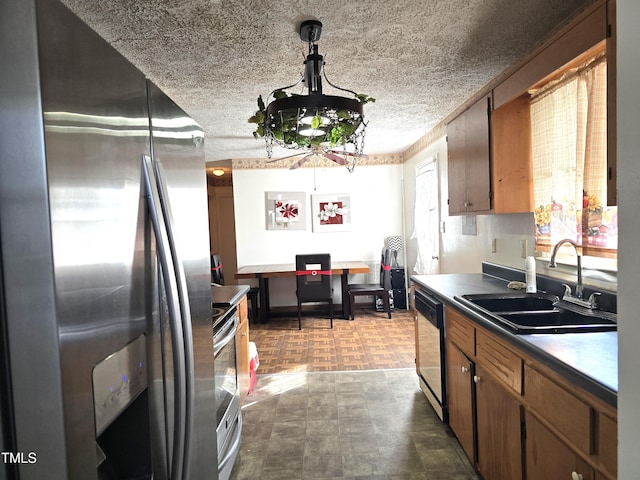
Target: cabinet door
(549, 458)
(468, 160)
(460, 398)
(242, 349)
(456, 164)
(498, 417)
(511, 157)
(478, 165)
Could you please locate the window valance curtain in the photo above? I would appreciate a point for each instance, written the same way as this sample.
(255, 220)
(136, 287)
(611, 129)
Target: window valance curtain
(569, 152)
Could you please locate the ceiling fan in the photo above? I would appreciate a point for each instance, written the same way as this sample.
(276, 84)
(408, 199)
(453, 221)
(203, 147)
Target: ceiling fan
(341, 157)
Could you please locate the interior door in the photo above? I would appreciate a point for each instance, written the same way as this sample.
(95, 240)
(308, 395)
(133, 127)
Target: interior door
(427, 218)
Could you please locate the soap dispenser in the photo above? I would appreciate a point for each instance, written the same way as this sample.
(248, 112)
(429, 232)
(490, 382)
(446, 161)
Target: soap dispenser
(530, 275)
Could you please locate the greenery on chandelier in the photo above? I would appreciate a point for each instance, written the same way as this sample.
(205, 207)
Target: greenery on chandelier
(285, 129)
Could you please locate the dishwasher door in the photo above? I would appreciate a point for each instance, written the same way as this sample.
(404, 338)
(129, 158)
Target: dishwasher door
(431, 354)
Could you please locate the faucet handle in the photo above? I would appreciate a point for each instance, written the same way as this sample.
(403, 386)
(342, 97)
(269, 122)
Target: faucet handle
(567, 290)
(593, 300)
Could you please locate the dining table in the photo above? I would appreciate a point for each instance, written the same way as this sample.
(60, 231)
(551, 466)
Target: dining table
(264, 272)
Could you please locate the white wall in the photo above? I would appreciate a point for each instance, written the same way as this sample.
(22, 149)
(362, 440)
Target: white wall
(465, 253)
(376, 213)
(628, 71)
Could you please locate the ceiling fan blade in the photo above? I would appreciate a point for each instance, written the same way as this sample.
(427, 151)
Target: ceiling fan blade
(288, 156)
(301, 161)
(350, 154)
(335, 158)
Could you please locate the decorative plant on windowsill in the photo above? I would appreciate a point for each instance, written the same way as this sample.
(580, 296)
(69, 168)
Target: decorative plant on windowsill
(324, 125)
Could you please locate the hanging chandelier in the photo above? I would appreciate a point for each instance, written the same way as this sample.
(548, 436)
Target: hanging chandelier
(316, 124)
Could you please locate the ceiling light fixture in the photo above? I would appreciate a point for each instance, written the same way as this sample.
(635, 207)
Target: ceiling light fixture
(218, 172)
(331, 125)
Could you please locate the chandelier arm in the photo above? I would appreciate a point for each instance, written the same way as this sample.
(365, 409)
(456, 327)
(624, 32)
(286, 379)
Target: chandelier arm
(284, 88)
(324, 73)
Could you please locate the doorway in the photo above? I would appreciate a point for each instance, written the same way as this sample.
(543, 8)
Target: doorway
(427, 218)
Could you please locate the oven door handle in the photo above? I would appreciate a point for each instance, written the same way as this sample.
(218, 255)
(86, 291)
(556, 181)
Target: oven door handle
(225, 335)
(181, 338)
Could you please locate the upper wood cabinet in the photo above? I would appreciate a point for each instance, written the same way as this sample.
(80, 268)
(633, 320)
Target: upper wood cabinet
(512, 172)
(468, 160)
(570, 46)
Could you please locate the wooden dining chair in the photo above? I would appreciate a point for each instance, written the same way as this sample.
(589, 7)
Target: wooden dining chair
(382, 289)
(313, 282)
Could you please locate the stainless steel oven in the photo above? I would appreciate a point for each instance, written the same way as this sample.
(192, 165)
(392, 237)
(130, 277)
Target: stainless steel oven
(431, 352)
(228, 416)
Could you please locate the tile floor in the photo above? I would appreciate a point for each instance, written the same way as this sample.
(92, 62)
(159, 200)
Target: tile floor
(345, 425)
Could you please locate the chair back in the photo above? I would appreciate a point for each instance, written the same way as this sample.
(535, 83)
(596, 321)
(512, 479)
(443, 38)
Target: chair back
(385, 268)
(313, 277)
(217, 275)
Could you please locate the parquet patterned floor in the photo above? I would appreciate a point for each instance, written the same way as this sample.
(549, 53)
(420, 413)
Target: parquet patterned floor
(370, 342)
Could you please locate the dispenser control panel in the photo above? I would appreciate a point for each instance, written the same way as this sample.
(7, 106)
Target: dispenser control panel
(118, 380)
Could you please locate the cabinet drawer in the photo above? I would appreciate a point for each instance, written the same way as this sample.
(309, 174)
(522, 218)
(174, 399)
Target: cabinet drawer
(500, 361)
(460, 331)
(608, 443)
(566, 413)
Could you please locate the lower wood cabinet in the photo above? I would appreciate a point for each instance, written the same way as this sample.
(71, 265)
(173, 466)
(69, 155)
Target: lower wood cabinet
(460, 372)
(499, 427)
(547, 457)
(242, 349)
(518, 419)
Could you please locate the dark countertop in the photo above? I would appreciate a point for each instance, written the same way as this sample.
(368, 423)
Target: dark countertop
(589, 360)
(226, 295)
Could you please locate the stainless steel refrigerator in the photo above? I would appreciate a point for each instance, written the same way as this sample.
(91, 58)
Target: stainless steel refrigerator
(104, 263)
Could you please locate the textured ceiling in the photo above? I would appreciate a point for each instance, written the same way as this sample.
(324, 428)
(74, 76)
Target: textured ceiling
(420, 59)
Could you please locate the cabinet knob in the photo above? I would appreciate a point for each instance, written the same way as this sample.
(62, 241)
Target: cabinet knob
(465, 369)
(576, 476)
(244, 334)
(476, 378)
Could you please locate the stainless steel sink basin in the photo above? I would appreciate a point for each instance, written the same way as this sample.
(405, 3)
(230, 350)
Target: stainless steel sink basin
(526, 314)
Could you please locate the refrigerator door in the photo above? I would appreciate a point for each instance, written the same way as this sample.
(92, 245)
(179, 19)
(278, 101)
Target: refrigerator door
(31, 419)
(178, 155)
(96, 129)
(81, 294)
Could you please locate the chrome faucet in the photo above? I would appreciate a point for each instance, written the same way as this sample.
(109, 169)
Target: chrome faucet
(577, 299)
(552, 263)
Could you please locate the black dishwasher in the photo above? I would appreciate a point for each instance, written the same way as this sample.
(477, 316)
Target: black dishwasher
(431, 352)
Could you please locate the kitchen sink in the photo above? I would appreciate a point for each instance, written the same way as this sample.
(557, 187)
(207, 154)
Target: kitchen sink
(513, 302)
(525, 314)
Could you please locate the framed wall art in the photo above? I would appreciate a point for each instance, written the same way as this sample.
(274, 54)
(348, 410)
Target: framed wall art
(331, 212)
(286, 210)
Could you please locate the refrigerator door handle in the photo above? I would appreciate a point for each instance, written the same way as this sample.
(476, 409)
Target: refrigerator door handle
(185, 310)
(177, 337)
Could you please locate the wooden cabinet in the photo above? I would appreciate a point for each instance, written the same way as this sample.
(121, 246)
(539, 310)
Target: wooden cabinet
(468, 160)
(460, 372)
(512, 170)
(484, 382)
(549, 458)
(516, 417)
(584, 427)
(499, 429)
(242, 349)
